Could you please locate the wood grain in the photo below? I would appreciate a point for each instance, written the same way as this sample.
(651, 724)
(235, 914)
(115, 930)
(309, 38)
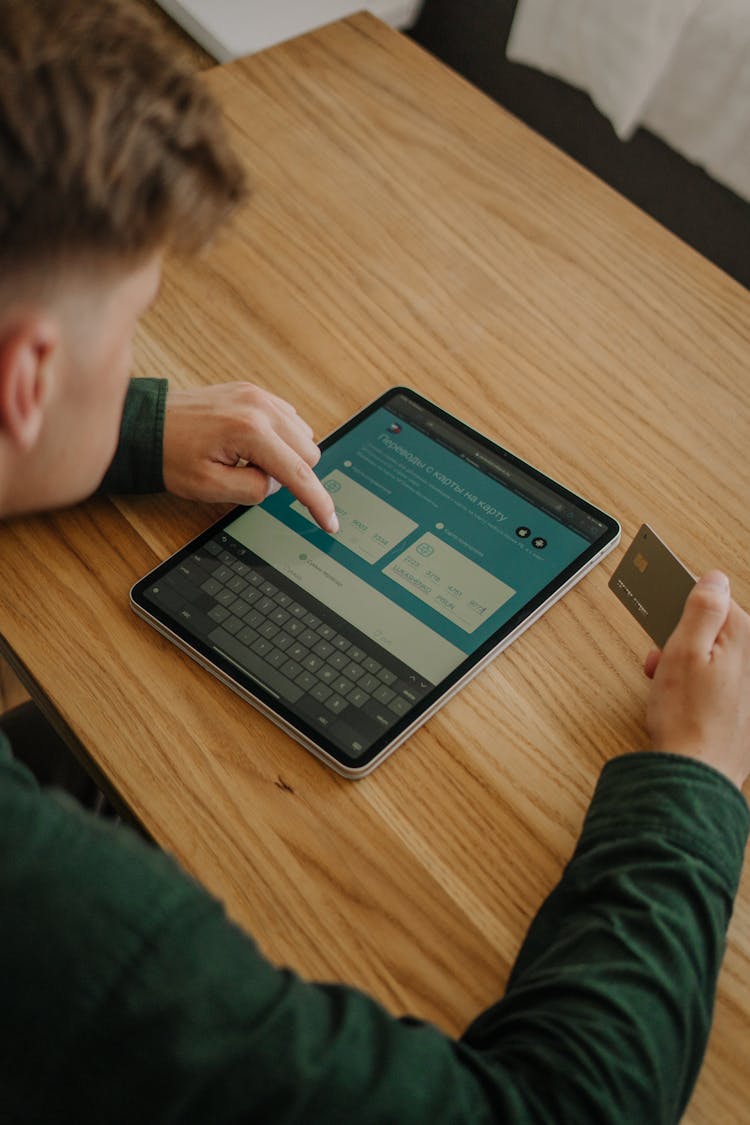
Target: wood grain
(404, 229)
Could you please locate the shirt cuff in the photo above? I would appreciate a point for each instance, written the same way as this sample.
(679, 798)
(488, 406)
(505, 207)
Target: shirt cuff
(137, 464)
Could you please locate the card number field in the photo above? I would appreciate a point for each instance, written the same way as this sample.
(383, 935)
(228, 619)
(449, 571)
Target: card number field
(368, 525)
(449, 582)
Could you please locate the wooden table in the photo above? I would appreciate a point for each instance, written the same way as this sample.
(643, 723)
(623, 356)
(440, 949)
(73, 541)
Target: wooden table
(404, 229)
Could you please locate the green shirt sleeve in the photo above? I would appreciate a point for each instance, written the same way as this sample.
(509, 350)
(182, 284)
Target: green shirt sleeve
(612, 994)
(125, 987)
(137, 464)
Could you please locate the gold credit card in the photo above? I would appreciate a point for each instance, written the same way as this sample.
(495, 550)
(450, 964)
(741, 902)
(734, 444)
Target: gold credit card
(652, 584)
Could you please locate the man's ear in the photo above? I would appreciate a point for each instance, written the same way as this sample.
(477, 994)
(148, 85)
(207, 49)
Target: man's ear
(26, 349)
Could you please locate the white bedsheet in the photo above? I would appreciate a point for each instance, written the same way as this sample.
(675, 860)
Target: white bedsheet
(681, 68)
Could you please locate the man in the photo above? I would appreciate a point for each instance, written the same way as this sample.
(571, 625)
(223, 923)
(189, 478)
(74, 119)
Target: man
(126, 994)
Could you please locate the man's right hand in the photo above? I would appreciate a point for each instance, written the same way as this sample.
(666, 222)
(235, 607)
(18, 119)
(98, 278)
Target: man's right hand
(700, 700)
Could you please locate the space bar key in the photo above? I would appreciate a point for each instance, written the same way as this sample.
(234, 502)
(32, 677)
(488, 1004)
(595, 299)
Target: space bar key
(255, 665)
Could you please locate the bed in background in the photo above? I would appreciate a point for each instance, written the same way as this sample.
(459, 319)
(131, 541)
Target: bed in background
(680, 68)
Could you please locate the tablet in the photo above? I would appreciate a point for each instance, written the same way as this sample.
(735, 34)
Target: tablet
(449, 547)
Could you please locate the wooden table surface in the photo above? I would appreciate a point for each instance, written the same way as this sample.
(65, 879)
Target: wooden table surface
(404, 229)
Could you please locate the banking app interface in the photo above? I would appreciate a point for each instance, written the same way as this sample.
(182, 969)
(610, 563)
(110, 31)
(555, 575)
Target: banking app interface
(433, 555)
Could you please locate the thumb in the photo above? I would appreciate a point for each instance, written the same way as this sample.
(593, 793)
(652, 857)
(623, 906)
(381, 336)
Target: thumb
(705, 613)
(651, 663)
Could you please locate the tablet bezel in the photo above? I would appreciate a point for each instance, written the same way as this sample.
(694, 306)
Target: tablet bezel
(316, 741)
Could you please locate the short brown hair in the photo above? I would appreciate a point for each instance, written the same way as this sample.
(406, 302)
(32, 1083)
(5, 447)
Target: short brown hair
(107, 147)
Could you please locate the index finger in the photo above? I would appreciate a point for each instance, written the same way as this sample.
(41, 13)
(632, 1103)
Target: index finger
(290, 469)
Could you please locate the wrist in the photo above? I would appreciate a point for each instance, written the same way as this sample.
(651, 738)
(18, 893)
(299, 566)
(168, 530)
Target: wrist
(716, 759)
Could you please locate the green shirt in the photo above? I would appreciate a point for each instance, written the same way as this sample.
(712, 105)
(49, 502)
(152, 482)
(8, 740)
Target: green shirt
(137, 464)
(127, 997)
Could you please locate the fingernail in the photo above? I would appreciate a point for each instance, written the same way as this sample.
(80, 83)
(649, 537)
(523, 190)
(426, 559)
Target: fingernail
(333, 524)
(716, 580)
(273, 486)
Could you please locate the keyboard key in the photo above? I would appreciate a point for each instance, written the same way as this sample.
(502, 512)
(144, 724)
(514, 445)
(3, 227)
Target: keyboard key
(255, 665)
(336, 704)
(358, 697)
(165, 596)
(279, 616)
(232, 625)
(276, 658)
(386, 676)
(283, 641)
(341, 643)
(355, 653)
(311, 621)
(241, 568)
(186, 587)
(268, 630)
(351, 740)
(211, 586)
(205, 561)
(265, 605)
(218, 614)
(312, 662)
(306, 680)
(323, 649)
(399, 705)
(352, 670)
(297, 610)
(283, 599)
(200, 623)
(254, 619)
(212, 548)
(382, 718)
(321, 693)
(237, 584)
(202, 601)
(239, 607)
(327, 674)
(371, 665)
(326, 632)
(324, 722)
(222, 574)
(250, 595)
(261, 646)
(247, 635)
(384, 694)
(254, 578)
(338, 660)
(342, 685)
(308, 638)
(297, 651)
(225, 597)
(291, 669)
(368, 683)
(227, 557)
(269, 589)
(294, 627)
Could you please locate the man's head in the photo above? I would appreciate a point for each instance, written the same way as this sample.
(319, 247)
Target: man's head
(109, 155)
